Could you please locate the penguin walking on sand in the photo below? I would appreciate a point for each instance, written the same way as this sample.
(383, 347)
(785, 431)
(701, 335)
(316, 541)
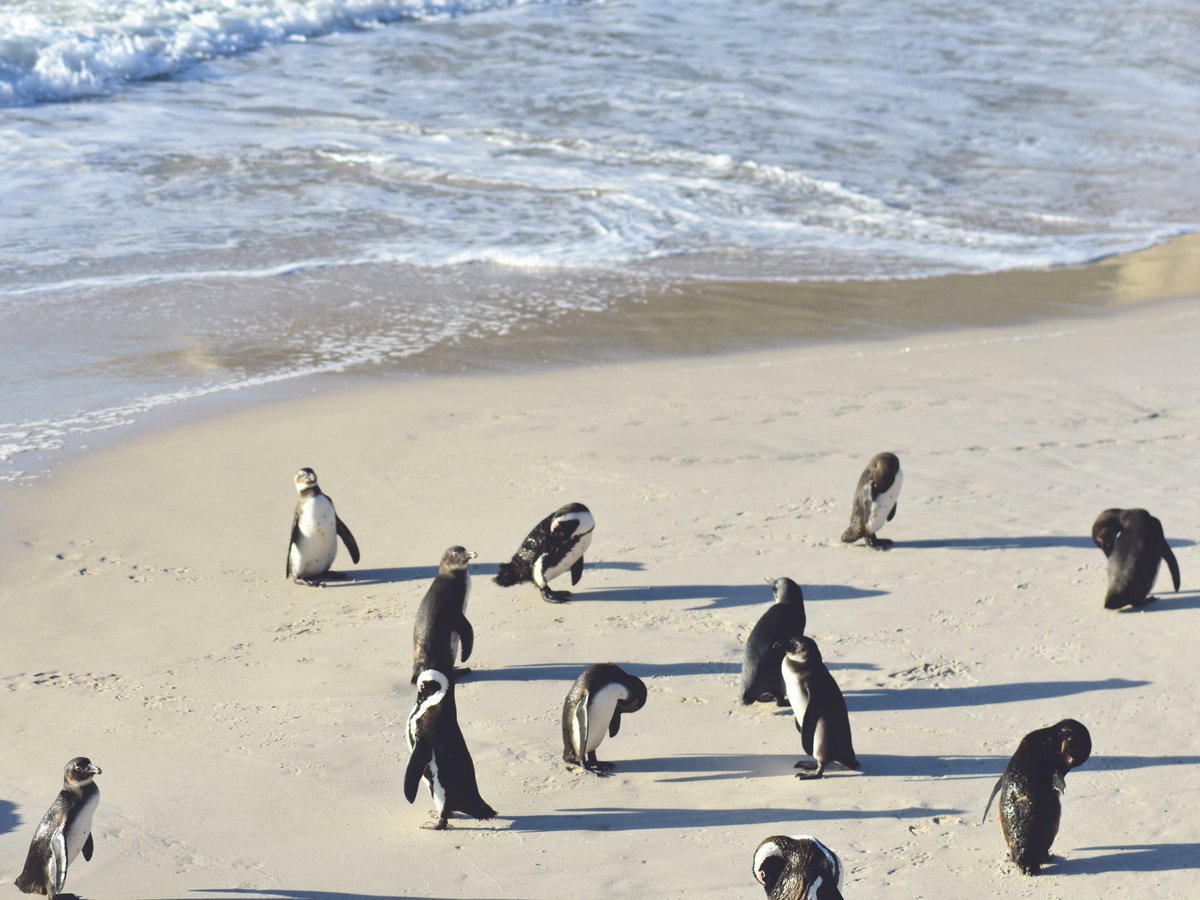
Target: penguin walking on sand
(819, 709)
(874, 502)
(442, 628)
(783, 620)
(64, 832)
(798, 868)
(1030, 808)
(594, 706)
(439, 754)
(315, 530)
(556, 544)
(1134, 543)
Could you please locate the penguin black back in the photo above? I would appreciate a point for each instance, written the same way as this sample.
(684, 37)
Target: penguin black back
(1134, 542)
(441, 629)
(1030, 809)
(762, 656)
(798, 868)
(64, 832)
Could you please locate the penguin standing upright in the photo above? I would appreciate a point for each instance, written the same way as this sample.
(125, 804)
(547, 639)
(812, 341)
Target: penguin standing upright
(1134, 543)
(64, 832)
(594, 705)
(315, 530)
(556, 544)
(439, 754)
(442, 624)
(798, 868)
(762, 677)
(1030, 809)
(874, 501)
(819, 709)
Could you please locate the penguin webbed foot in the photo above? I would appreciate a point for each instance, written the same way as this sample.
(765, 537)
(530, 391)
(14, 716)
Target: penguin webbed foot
(438, 824)
(809, 769)
(460, 671)
(878, 543)
(552, 596)
(603, 769)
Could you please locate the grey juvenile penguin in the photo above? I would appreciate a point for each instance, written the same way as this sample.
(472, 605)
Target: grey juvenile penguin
(762, 678)
(594, 705)
(556, 544)
(64, 832)
(819, 709)
(442, 627)
(874, 502)
(1134, 543)
(798, 868)
(315, 530)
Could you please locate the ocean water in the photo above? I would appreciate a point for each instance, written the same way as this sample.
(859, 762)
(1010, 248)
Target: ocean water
(200, 196)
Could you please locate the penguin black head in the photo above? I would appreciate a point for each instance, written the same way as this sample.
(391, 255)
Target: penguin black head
(785, 590)
(431, 683)
(305, 478)
(1074, 743)
(769, 864)
(567, 519)
(456, 559)
(804, 651)
(1105, 530)
(79, 772)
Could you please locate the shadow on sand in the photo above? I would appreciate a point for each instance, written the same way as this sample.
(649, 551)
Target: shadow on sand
(571, 671)
(282, 894)
(1130, 858)
(880, 699)
(1176, 600)
(9, 820)
(723, 596)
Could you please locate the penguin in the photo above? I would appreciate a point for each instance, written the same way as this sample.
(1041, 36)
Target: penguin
(798, 868)
(819, 709)
(1134, 543)
(442, 617)
(439, 753)
(1030, 809)
(65, 830)
(556, 544)
(762, 677)
(594, 705)
(874, 501)
(315, 530)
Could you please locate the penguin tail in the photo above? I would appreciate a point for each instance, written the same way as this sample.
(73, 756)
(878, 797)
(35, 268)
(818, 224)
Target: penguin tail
(482, 811)
(508, 575)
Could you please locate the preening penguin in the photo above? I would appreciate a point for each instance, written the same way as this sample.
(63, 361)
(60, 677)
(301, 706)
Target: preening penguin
(556, 544)
(1134, 543)
(819, 709)
(874, 501)
(64, 832)
(1030, 808)
(315, 530)
(442, 627)
(439, 753)
(593, 706)
(798, 868)
(783, 620)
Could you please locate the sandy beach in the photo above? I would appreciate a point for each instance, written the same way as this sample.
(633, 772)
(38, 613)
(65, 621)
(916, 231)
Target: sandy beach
(251, 730)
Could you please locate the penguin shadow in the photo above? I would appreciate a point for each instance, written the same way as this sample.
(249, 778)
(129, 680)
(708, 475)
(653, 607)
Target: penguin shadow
(1130, 858)
(724, 596)
(1168, 602)
(1119, 763)
(571, 671)
(715, 767)
(947, 768)
(1030, 542)
(391, 575)
(282, 894)
(625, 818)
(902, 698)
(9, 820)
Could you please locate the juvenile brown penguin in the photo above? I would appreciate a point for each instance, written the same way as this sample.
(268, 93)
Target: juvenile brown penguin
(874, 502)
(442, 629)
(1134, 543)
(1030, 808)
(819, 709)
(798, 868)
(64, 832)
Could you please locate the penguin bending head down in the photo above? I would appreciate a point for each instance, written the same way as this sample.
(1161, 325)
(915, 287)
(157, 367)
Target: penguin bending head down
(874, 502)
(762, 678)
(1030, 809)
(556, 544)
(439, 753)
(594, 706)
(442, 627)
(1134, 543)
(819, 709)
(312, 546)
(64, 832)
(798, 868)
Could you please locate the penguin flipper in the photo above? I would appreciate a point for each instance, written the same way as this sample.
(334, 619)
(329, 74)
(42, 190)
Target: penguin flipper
(422, 753)
(577, 573)
(808, 728)
(581, 720)
(88, 848)
(57, 864)
(287, 572)
(615, 725)
(347, 539)
(995, 791)
(1172, 564)
(466, 638)
(892, 514)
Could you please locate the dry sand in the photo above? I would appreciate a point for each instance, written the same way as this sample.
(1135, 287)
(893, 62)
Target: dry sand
(251, 730)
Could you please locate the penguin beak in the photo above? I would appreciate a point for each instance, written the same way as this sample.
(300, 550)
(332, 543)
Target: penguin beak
(93, 769)
(762, 876)
(471, 554)
(768, 579)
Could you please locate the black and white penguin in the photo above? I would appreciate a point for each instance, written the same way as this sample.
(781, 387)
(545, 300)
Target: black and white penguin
(1030, 809)
(783, 620)
(594, 706)
(874, 501)
(798, 868)
(439, 753)
(315, 530)
(442, 626)
(556, 544)
(65, 830)
(819, 709)
(1134, 543)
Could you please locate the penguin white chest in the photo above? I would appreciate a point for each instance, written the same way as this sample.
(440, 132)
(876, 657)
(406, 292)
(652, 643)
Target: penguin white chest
(600, 707)
(316, 542)
(796, 693)
(550, 569)
(436, 789)
(881, 507)
(80, 826)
